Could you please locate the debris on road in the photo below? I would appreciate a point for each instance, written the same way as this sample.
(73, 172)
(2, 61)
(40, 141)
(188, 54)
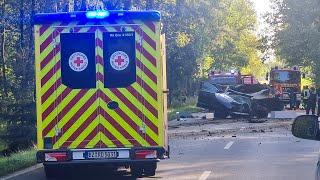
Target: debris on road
(257, 120)
(192, 127)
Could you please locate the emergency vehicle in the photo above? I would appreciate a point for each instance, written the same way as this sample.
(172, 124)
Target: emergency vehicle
(285, 80)
(101, 90)
(232, 78)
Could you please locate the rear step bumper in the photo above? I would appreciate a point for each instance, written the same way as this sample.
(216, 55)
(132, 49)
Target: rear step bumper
(70, 156)
(111, 162)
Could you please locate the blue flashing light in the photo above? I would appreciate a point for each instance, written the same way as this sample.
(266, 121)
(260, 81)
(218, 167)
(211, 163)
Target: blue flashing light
(91, 14)
(102, 14)
(47, 18)
(97, 14)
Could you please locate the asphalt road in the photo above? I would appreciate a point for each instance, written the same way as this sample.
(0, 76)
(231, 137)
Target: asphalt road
(253, 156)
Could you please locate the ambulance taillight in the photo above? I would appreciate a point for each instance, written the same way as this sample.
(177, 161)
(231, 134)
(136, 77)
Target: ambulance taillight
(146, 154)
(56, 157)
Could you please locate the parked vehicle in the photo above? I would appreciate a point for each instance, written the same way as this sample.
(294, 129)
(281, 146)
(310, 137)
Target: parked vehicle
(307, 127)
(285, 80)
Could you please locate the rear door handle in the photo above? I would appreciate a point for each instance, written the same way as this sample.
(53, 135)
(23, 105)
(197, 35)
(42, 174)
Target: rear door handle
(166, 91)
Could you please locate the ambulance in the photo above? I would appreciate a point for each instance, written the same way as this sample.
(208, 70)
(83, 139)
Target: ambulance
(101, 90)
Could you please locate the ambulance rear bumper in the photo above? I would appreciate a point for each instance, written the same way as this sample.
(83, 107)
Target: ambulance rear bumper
(126, 156)
(111, 162)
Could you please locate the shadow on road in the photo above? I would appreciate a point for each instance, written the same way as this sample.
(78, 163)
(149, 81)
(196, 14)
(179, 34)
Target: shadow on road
(94, 174)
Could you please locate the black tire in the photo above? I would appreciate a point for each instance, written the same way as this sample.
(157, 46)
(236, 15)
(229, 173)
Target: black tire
(136, 171)
(150, 169)
(51, 171)
(221, 114)
(150, 172)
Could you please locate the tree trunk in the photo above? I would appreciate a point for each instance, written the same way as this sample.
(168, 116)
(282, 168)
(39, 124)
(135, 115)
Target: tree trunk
(83, 6)
(30, 54)
(127, 4)
(3, 63)
(150, 4)
(138, 4)
(21, 22)
(2, 53)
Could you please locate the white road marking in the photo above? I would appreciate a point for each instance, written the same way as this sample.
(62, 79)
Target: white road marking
(205, 175)
(228, 146)
(24, 171)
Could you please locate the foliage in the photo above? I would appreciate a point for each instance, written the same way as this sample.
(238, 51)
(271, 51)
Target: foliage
(17, 161)
(295, 33)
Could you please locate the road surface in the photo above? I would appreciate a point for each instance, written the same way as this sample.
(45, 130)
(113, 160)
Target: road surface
(255, 155)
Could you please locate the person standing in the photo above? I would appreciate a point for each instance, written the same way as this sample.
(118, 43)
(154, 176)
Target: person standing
(293, 99)
(312, 101)
(305, 96)
(318, 97)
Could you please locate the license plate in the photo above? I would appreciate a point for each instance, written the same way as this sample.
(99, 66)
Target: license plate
(102, 154)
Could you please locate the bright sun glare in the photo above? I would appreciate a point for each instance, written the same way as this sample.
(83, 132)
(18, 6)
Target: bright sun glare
(261, 6)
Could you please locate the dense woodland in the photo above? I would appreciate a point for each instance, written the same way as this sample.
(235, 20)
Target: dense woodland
(202, 35)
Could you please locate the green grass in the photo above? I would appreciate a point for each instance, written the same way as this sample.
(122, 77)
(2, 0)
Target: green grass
(17, 162)
(3, 144)
(187, 108)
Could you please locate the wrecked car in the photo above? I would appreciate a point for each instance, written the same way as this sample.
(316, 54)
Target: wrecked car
(227, 101)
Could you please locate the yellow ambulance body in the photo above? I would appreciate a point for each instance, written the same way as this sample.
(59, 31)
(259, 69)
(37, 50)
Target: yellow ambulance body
(101, 89)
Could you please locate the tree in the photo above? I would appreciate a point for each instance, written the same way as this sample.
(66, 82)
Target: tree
(236, 42)
(295, 33)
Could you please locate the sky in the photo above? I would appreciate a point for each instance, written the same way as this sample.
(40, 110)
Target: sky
(261, 7)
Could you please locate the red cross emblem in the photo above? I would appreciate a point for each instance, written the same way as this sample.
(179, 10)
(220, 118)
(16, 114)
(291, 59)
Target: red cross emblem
(119, 60)
(78, 61)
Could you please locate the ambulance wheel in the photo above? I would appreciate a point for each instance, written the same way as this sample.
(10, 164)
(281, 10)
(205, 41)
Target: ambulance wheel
(136, 171)
(50, 171)
(150, 170)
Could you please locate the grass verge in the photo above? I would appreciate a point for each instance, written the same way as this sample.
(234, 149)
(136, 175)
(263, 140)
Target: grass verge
(187, 109)
(17, 162)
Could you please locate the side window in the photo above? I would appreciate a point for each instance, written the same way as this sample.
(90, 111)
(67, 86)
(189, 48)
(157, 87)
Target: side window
(119, 59)
(78, 69)
(206, 86)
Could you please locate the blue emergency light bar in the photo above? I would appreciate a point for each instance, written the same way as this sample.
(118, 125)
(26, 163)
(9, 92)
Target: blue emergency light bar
(46, 18)
(97, 14)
